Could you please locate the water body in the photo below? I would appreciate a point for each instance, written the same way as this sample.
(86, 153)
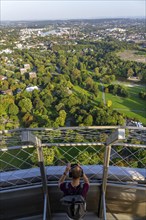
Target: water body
(52, 32)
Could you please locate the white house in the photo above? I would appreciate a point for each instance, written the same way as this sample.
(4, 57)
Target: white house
(31, 88)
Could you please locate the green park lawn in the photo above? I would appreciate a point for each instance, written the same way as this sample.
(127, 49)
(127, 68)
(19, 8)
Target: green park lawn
(133, 55)
(79, 90)
(132, 107)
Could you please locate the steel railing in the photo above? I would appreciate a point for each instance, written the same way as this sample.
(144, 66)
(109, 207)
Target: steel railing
(121, 162)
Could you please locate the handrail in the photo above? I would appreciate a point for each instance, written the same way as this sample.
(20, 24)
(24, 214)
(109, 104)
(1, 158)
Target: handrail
(72, 145)
(64, 138)
(71, 128)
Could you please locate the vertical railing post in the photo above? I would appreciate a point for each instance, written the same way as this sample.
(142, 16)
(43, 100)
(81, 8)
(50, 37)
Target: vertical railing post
(44, 177)
(119, 134)
(104, 181)
(27, 137)
(106, 167)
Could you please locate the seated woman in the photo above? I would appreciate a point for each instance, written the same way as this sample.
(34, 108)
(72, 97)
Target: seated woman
(75, 191)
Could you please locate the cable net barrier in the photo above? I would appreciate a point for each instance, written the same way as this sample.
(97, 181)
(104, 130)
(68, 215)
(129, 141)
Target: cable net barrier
(129, 163)
(86, 156)
(83, 145)
(16, 167)
(16, 161)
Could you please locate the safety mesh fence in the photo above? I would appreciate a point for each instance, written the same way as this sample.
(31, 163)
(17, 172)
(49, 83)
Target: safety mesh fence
(87, 156)
(129, 163)
(16, 167)
(83, 145)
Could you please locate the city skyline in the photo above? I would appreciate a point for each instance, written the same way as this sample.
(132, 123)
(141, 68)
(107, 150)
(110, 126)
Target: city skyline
(60, 10)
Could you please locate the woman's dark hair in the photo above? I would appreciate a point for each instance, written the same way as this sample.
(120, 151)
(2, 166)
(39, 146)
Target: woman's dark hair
(76, 172)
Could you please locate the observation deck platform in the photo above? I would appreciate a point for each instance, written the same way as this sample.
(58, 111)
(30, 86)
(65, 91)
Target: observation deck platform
(116, 170)
(88, 216)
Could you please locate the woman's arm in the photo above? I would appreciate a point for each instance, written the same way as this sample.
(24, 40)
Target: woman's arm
(85, 178)
(63, 177)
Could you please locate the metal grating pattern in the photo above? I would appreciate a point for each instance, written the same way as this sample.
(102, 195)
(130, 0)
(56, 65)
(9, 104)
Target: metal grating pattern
(98, 134)
(13, 161)
(84, 155)
(128, 157)
(89, 134)
(84, 145)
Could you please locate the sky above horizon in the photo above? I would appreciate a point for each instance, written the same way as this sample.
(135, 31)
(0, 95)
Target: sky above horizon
(67, 9)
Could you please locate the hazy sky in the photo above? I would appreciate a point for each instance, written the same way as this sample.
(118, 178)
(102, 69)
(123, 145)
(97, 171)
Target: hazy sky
(67, 9)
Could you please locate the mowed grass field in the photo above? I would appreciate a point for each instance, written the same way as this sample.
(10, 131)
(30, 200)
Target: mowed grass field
(132, 107)
(132, 55)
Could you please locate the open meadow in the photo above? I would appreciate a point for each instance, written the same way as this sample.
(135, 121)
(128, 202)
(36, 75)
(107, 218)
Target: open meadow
(133, 55)
(132, 106)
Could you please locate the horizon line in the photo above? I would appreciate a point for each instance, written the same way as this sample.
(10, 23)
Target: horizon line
(66, 19)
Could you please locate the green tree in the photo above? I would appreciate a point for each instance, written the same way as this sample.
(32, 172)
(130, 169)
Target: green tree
(2, 110)
(109, 103)
(4, 85)
(76, 76)
(52, 156)
(88, 121)
(13, 109)
(27, 119)
(87, 158)
(130, 72)
(72, 100)
(60, 121)
(25, 105)
(89, 83)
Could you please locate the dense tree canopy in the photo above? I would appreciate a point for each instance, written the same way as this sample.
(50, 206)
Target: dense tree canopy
(59, 71)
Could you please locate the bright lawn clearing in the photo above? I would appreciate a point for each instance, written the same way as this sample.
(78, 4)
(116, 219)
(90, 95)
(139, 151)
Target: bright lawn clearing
(80, 90)
(133, 106)
(132, 55)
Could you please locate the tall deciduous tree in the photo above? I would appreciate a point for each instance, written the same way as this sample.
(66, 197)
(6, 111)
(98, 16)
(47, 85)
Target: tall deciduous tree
(13, 109)
(88, 121)
(25, 105)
